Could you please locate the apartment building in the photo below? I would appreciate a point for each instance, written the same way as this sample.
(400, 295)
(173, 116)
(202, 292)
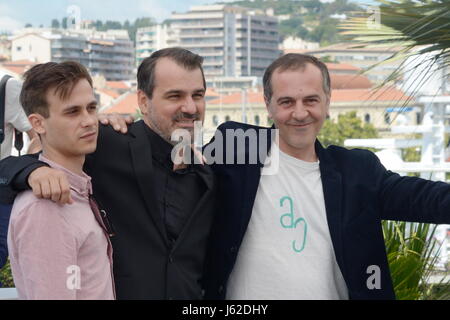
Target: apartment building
(361, 58)
(153, 38)
(110, 53)
(234, 41)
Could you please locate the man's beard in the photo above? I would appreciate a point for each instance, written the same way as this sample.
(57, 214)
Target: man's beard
(166, 133)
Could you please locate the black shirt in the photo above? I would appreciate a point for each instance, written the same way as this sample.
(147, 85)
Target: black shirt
(177, 192)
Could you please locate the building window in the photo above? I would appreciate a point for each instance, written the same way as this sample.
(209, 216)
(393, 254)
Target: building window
(367, 118)
(215, 120)
(387, 118)
(257, 120)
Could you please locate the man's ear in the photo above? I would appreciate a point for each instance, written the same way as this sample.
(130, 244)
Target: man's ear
(37, 122)
(142, 101)
(328, 104)
(269, 112)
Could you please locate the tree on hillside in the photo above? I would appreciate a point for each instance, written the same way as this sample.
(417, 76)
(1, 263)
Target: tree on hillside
(56, 24)
(325, 33)
(293, 27)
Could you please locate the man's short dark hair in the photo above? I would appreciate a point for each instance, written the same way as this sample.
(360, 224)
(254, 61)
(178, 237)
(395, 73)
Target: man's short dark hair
(294, 61)
(63, 77)
(183, 57)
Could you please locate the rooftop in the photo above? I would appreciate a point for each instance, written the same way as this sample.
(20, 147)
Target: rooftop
(17, 67)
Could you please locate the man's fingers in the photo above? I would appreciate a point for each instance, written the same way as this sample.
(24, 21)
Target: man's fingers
(51, 184)
(103, 119)
(118, 122)
(36, 187)
(45, 189)
(129, 119)
(65, 192)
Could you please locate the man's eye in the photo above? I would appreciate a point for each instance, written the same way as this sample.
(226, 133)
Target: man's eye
(311, 101)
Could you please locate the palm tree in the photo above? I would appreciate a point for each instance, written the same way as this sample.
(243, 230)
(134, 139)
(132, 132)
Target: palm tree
(412, 254)
(420, 28)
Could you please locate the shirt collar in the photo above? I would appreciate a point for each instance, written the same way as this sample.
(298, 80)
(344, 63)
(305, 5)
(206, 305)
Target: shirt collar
(161, 149)
(80, 184)
(162, 152)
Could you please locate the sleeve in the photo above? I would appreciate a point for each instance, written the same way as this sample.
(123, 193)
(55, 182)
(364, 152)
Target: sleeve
(46, 252)
(15, 114)
(14, 172)
(411, 199)
(5, 211)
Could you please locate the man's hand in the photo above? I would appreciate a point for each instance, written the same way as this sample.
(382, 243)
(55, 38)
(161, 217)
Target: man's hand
(117, 121)
(50, 184)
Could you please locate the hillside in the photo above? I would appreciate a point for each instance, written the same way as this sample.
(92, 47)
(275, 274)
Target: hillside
(310, 20)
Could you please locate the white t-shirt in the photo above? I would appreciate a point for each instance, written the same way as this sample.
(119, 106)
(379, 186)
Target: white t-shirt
(287, 252)
(15, 117)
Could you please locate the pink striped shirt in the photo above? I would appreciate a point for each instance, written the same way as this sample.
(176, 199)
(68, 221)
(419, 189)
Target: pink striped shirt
(60, 252)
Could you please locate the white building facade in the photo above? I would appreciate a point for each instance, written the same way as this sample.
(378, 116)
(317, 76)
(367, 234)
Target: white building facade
(109, 53)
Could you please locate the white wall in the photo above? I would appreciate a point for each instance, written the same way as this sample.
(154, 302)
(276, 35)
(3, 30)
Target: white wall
(31, 47)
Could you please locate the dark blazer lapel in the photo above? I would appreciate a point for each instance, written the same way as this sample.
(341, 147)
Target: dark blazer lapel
(332, 191)
(251, 181)
(143, 167)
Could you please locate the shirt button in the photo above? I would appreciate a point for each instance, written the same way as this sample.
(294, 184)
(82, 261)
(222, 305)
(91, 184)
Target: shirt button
(233, 249)
(220, 289)
(170, 259)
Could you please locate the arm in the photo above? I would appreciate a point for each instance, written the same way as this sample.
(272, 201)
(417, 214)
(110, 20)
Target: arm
(5, 211)
(410, 198)
(44, 247)
(27, 172)
(22, 173)
(14, 173)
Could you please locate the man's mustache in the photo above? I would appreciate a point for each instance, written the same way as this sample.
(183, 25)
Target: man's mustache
(186, 116)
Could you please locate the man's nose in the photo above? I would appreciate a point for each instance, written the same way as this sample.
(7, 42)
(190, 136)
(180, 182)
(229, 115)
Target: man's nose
(189, 106)
(300, 112)
(89, 119)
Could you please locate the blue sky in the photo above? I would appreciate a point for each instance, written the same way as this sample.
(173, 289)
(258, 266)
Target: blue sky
(15, 14)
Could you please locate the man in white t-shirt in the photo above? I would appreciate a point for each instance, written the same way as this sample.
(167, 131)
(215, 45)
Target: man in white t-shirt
(305, 222)
(14, 116)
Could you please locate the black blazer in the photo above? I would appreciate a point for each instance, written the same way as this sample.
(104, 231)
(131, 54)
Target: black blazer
(146, 265)
(359, 192)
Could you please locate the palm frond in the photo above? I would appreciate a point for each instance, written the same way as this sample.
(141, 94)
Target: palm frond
(416, 29)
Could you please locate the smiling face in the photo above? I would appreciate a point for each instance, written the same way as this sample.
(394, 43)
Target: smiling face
(70, 132)
(177, 101)
(298, 107)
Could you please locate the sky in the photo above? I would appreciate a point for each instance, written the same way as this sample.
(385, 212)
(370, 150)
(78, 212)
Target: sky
(14, 14)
